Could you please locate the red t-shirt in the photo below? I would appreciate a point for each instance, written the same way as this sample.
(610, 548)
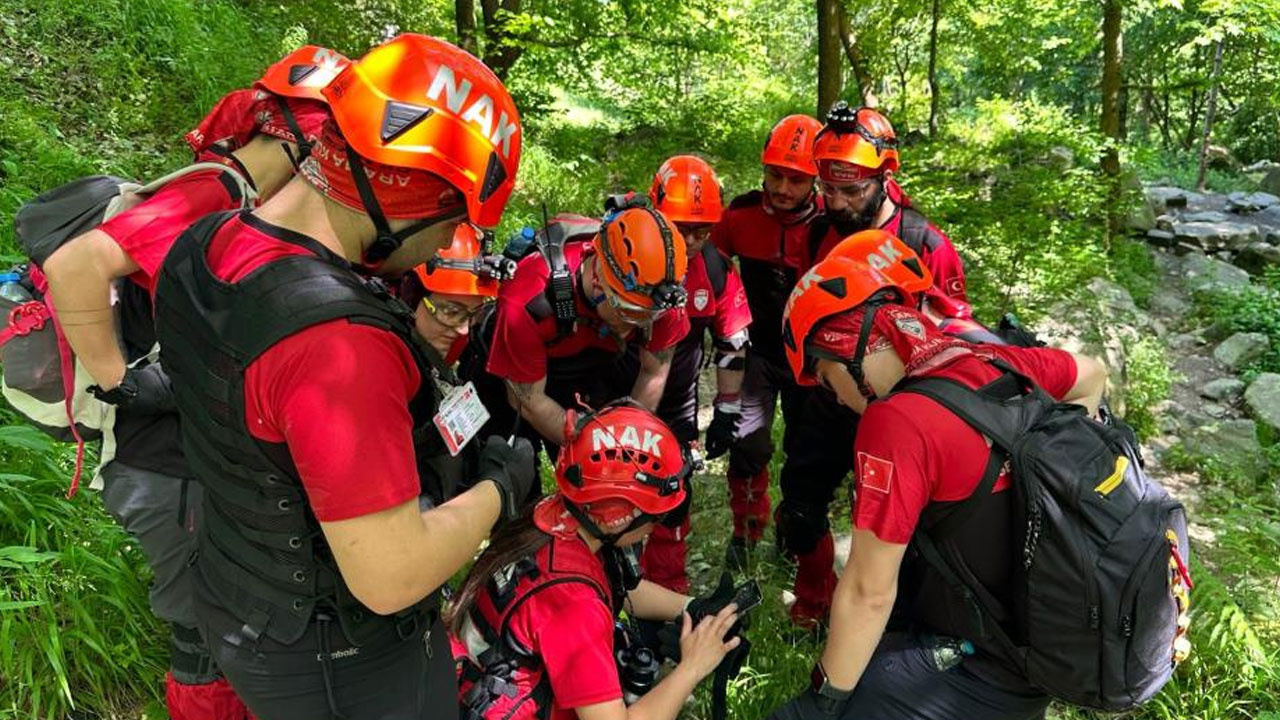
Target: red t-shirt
(148, 230)
(726, 313)
(523, 343)
(337, 393)
(911, 451)
(748, 229)
(572, 631)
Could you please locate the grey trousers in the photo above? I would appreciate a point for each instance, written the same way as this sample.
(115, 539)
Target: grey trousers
(161, 512)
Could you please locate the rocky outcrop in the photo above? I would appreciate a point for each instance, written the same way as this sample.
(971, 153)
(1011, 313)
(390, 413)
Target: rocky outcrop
(1203, 273)
(1231, 443)
(1226, 389)
(1241, 350)
(1263, 401)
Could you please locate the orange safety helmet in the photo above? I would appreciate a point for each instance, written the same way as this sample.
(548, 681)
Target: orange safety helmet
(621, 463)
(304, 72)
(643, 256)
(855, 144)
(835, 285)
(882, 250)
(460, 268)
(790, 144)
(686, 190)
(420, 102)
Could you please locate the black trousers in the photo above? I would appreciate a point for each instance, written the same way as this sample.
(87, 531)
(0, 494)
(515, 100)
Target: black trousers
(390, 678)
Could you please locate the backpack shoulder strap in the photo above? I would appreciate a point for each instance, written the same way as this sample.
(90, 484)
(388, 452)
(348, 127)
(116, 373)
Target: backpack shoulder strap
(1002, 410)
(913, 229)
(817, 233)
(717, 268)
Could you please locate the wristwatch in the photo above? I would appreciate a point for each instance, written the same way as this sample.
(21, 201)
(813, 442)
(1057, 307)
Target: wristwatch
(828, 698)
(118, 395)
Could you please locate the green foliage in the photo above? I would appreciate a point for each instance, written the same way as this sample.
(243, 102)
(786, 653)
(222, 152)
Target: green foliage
(75, 629)
(1028, 227)
(1149, 380)
(1256, 309)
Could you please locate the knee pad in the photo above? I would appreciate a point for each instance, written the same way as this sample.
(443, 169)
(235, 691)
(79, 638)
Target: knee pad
(189, 657)
(799, 527)
(751, 454)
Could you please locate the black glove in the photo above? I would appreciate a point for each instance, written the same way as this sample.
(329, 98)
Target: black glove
(144, 390)
(699, 608)
(808, 705)
(722, 433)
(511, 467)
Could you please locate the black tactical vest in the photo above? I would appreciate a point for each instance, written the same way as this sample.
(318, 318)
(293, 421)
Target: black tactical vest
(261, 550)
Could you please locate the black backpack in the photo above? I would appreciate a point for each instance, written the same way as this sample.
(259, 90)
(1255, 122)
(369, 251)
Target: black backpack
(1100, 577)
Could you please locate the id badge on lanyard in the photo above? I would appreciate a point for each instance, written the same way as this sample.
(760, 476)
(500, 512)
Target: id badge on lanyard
(461, 416)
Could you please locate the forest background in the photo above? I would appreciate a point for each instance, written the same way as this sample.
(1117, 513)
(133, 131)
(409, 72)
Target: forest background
(1027, 127)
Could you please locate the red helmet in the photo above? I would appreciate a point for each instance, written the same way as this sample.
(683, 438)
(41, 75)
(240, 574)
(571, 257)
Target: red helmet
(855, 144)
(790, 144)
(882, 250)
(837, 284)
(686, 190)
(420, 102)
(304, 72)
(459, 269)
(619, 465)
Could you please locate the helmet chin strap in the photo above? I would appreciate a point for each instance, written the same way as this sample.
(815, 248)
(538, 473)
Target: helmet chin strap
(386, 241)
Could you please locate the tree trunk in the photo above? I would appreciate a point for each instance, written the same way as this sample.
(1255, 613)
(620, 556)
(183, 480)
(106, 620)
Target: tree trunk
(829, 70)
(1210, 109)
(933, 71)
(866, 85)
(501, 51)
(1111, 58)
(1112, 55)
(465, 17)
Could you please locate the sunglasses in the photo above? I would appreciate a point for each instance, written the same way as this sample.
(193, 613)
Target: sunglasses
(851, 191)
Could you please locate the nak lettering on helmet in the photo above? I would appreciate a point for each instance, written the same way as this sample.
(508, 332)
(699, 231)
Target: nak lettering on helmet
(887, 255)
(329, 60)
(807, 281)
(606, 439)
(479, 112)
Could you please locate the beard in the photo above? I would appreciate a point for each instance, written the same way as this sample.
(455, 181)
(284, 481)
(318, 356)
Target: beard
(848, 221)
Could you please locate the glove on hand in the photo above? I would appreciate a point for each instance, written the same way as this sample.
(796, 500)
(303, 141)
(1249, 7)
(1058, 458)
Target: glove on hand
(722, 433)
(144, 390)
(513, 468)
(808, 705)
(699, 608)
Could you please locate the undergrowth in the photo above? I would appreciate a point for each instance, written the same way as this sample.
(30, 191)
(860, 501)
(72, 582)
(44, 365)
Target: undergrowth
(1252, 309)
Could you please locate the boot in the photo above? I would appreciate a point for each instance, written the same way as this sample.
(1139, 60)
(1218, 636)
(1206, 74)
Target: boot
(815, 583)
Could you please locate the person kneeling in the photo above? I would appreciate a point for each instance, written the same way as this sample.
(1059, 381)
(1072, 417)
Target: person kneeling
(534, 621)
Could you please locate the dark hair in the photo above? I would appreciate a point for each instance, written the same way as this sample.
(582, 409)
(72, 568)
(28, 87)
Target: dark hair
(513, 541)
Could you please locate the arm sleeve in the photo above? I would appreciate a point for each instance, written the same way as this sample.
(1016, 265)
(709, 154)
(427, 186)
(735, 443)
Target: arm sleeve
(732, 313)
(517, 352)
(892, 476)
(945, 264)
(573, 632)
(337, 394)
(668, 330)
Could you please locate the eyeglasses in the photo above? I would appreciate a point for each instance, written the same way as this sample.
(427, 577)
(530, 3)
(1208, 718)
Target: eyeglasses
(699, 232)
(851, 191)
(450, 314)
(629, 312)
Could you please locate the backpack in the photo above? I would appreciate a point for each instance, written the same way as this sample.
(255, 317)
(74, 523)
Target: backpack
(549, 242)
(39, 374)
(1100, 580)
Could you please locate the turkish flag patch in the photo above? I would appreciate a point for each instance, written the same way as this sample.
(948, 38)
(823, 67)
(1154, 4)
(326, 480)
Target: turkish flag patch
(874, 473)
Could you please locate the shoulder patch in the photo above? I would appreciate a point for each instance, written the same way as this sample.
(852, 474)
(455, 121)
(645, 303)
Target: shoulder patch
(874, 473)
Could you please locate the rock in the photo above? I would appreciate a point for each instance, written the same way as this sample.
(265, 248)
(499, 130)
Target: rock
(1214, 410)
(1184, 248)
(1263, 400)
(1234, 443)
(1221, 158)
(1165, 222)
(1271, 182)
(1207, 274)
(1183, 341)
(1061, 158)
(1161, 238)
(1206, 216)
(1161, 197)
(1257, 256)
(1240, 202)
(1141, 218)
(1241, 350)
(1168, 304)
(1272, 237)
(1216, 235)
(1226, 389)
(1260, 166)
